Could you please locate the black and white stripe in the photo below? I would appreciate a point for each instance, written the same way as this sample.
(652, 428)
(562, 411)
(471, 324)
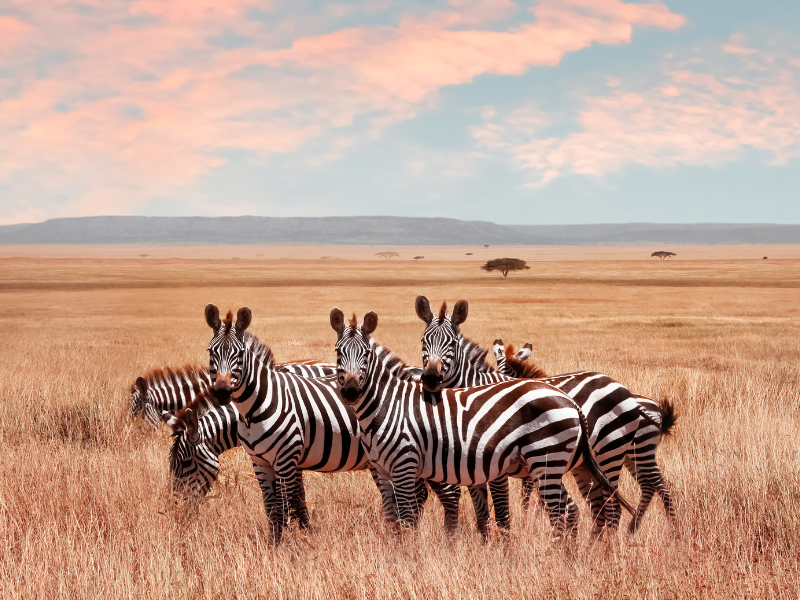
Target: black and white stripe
(464, 437)
(613, 417)
(286, 422)
(657, 420)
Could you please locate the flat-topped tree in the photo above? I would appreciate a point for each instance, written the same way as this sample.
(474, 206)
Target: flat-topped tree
(662, 254)
(505, 265)
(418, 257)
(387, 255)
(144, 255)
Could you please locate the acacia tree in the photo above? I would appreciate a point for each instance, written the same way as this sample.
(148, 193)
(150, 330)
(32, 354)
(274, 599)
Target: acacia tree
(144, 255)
(418, 257)
(662, 254)
(505, 265)
(387, 255)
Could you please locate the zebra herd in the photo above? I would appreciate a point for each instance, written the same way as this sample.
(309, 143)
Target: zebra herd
(455, 422)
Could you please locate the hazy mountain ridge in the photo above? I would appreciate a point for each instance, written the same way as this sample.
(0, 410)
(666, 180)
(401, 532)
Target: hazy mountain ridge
(378, 231)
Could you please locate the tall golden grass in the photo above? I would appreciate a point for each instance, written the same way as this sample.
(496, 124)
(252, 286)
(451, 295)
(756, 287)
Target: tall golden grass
(83, 490)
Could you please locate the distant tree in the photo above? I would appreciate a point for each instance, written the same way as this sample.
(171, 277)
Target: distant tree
(418, 257)
(144, 255)
(486, 245)
(662, 254)
(504, 265)
(387, 255)
(259, 255)
(469, 253)
(325, 257)
(765, 258)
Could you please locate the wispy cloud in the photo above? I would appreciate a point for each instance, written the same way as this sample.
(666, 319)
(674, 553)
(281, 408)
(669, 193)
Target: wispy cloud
(699, 114)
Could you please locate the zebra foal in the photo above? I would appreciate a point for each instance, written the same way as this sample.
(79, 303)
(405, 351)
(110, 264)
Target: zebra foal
(463, 437)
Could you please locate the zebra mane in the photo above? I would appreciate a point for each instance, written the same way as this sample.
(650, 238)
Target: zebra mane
(393, 363)
(522, 369)
(162, 375)
(475, 355)
(261, 351)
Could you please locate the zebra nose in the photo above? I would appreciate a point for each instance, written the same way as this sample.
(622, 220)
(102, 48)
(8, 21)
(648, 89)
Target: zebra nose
(341, 379)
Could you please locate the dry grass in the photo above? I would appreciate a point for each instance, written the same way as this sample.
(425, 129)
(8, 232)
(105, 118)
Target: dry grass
(83, 491)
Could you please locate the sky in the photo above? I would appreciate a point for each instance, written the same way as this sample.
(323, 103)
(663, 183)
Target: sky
(548, 112)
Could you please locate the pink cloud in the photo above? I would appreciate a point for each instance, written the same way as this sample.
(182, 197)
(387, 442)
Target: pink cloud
(136, 111)
(699, 118)
(12, 31)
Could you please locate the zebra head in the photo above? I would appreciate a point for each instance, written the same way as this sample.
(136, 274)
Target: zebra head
(353, 353)
(440, 342)
(193, 464)
(499, 351)
(227, 348)
(141, 404)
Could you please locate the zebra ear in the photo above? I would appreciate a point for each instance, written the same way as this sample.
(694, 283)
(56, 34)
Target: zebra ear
(460, 312)
(243, 319)
(423, 309)
(169, 419)
(526, 352)
(370, 323)
(190, 423)
(212, 317)
(498, 348)
(141, 384)
(337, 321)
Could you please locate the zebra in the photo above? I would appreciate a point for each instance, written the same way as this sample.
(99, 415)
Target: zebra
(660, 418)
(287, 422)
(452, 361)
(170, 389)
(197, 444)
(465, 437)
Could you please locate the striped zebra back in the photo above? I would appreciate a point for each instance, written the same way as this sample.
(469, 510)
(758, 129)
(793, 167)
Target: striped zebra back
(166, 389)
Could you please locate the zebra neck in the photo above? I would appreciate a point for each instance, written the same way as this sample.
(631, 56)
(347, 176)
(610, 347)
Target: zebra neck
(372, 405)
(471, 368)
(243, 395)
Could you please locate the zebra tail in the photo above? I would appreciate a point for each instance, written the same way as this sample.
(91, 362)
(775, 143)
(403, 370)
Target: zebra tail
(583, 446)
(668, 416)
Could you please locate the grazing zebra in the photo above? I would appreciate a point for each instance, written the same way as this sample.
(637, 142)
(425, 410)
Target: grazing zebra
(659, 418)
(199, 439)
(449, 360)
(287, 422)
(170, 389)
(464, 437)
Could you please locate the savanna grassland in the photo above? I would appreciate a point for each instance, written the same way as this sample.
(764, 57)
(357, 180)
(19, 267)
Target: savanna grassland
(83, 489)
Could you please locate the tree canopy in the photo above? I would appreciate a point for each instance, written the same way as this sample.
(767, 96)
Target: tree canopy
(387, 255)
(662, 254)
(418, 257)
(505, 265)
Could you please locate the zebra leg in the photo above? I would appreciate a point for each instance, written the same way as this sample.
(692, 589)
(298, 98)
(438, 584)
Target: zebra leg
(388, 503)
(499, 490)
(402, 484)
(528, 485)
(480, 501)
(649, 477)
(594, 495)
(449, 495)
(420, 498)
(561, 510)
(298, 509)
(266, 481)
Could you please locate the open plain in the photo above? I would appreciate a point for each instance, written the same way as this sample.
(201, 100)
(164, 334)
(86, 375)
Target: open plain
(83, 489)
